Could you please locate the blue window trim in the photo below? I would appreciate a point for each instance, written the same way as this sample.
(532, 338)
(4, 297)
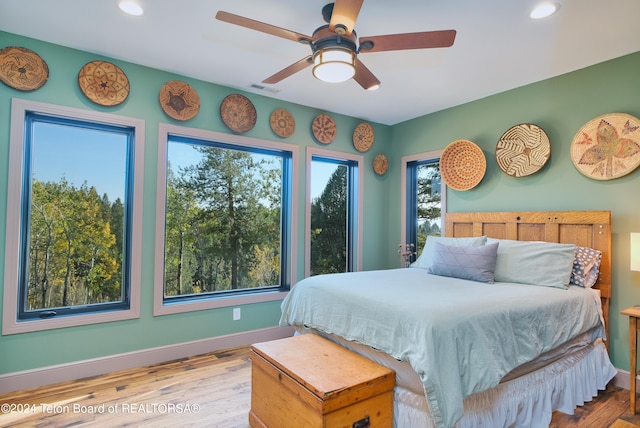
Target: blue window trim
(160, 307)
(285, 221)
(352, 204)
(24, 314)
(411, 214)
(412, 201)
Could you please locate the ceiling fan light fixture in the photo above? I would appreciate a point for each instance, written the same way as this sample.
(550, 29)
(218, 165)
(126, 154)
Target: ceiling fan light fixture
(334, 64)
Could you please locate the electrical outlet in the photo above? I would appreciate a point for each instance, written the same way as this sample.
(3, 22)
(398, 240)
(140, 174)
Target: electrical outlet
(236, 314)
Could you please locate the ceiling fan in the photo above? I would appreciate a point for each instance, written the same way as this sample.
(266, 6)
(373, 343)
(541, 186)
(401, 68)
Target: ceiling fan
(335, 46)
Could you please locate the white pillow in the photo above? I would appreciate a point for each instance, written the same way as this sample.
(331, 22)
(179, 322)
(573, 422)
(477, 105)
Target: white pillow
(534, 262)
(426, 257)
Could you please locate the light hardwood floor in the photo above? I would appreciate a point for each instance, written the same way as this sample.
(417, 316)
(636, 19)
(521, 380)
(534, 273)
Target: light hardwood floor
(212, 390)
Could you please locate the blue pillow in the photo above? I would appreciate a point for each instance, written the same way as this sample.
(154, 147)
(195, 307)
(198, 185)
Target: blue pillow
(426, 257)
(534, 262)
(473, 263)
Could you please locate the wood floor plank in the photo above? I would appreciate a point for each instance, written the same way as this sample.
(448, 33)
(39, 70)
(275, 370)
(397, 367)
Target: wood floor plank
(623, 424)
(204, 391)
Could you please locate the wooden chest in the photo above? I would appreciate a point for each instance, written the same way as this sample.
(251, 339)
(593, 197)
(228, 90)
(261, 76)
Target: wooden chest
(308, 381)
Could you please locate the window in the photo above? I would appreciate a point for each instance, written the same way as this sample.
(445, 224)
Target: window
(334, 224)
(71, 220)
(424, 199)
(226, 225)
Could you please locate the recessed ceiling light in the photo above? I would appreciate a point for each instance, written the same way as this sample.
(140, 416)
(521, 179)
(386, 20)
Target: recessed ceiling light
(130, 8)
(543, 10)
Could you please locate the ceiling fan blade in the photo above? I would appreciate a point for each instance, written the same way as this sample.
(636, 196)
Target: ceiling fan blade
(345, 12)
(261, 26)
(288, 71)
(394, 42)
(364, 76)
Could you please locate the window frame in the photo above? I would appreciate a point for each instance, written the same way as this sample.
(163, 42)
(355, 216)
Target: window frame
(356, 205)
(160, 305)
(404, 192)
(15, 219)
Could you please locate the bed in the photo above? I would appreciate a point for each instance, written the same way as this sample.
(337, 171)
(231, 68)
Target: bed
(475, 343)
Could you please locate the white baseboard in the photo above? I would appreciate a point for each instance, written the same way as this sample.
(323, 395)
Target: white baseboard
(623, 380)
(80, 369)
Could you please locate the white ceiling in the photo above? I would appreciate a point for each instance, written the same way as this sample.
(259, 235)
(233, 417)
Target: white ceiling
(497, 46)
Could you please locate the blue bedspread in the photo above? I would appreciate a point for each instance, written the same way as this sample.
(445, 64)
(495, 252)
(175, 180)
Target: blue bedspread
(460, 336)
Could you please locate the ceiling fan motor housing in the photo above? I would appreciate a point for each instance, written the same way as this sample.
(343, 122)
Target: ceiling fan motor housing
(325, 38)
(334, 55)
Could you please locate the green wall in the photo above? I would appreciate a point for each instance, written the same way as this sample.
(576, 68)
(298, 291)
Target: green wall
(40, 349)
(561, 106)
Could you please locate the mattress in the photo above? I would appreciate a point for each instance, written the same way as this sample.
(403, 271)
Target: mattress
(408, 379)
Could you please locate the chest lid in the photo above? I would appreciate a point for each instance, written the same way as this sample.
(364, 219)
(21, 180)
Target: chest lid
(326, 369)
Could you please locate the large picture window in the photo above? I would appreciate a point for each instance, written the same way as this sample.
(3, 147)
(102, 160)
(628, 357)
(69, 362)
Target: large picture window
(75, 216)
(227, 218)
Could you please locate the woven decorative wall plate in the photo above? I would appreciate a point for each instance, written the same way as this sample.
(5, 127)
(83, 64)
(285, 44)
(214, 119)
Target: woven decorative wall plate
(238, 113)
(324, 128)
(523, 150)
(179, 100)
(22, 69)
(103, 83)
(282, 123)
(462, 165)
(607, 147)
(363, 137)
(380, 164)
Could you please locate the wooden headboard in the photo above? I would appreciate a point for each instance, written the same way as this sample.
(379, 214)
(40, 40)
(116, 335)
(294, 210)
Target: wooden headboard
(584, 228)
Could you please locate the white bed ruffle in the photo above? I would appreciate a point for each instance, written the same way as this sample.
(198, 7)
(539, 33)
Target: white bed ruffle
(527, 401)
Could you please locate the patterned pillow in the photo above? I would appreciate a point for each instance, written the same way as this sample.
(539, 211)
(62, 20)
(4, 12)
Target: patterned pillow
(474, 263)
(586, 267)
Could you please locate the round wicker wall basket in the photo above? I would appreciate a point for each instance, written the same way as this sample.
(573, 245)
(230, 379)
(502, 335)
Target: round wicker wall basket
(179, 100)
(238, 113)
(22, 68)
(607, 147)
(282, 123)
(462, 165)
(103, 83)
(523, 150)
